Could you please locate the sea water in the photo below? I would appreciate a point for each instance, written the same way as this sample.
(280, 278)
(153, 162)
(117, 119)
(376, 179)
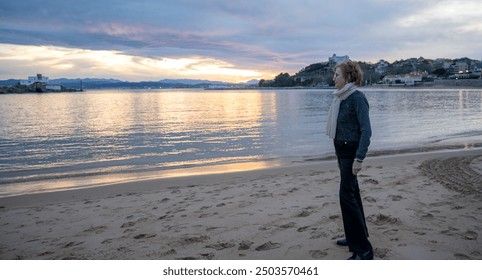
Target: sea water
(52, 141)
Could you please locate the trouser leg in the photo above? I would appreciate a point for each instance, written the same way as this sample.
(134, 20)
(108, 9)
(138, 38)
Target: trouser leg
(352, 209)
(360, 204)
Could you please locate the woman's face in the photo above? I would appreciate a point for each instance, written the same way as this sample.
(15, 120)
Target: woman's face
(338, 78)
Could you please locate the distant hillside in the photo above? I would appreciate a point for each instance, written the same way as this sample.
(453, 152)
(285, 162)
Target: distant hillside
(112, 83)
(92, 83)
(321, 73)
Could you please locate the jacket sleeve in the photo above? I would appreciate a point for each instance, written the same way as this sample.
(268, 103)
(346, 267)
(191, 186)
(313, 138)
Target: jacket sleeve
(362, 112)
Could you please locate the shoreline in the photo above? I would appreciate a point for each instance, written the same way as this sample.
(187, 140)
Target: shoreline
(179, 177)
(72, 183)
(451, 85)
(369, 87)
(418, 206)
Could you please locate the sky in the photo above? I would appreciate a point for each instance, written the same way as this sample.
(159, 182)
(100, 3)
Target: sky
(231, 41)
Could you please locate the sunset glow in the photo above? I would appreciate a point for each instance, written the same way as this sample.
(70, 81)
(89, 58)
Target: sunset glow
(117, 64)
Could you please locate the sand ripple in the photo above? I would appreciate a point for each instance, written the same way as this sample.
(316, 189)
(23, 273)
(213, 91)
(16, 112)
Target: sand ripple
(455, 173)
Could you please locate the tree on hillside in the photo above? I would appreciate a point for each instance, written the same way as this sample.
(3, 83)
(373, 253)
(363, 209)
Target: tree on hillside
(265, 83)
(283, 80)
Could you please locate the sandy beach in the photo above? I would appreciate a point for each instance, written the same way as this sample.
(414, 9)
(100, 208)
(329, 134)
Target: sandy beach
(418, 206)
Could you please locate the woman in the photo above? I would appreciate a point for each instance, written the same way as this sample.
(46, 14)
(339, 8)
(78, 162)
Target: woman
(349, 127)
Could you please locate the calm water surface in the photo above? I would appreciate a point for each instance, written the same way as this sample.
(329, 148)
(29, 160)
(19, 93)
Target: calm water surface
(50, 141)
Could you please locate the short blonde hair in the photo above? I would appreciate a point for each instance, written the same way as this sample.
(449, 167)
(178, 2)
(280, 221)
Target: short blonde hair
(352, 72)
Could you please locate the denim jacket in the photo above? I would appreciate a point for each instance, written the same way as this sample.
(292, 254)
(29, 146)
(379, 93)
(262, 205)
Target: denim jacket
(353, 123)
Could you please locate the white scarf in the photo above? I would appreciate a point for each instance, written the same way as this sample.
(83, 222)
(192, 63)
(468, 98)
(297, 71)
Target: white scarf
(340, 95)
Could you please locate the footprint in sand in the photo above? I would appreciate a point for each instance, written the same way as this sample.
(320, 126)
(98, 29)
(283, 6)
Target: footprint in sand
(302, 229)
(370, 199)
(221, 245)
(306, 212)
(471, 235)
(193, 239)
(395, 197)
(381, 252)
(318, 254)
(390, 232)
(450, 232)
(316, 234)
(208, 256)
(292, 250)
(245, 245)
(97, 230)
(128, 224)
(268, 246)
(144, 235)
(380, 219)
(427, 217)
(303, 214)
(265, 227)
(288, 225)
(370, 181)
(170, 252)
(262, 193)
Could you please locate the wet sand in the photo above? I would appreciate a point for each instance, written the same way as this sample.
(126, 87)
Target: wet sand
(418, 206)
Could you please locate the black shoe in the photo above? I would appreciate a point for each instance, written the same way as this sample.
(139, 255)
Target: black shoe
(342, 242)
(368, 255)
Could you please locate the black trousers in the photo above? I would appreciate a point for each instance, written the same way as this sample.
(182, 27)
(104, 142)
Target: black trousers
(354, 223)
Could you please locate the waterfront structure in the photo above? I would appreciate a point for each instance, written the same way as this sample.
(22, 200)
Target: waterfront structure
(41, 82)
(409, 79)
(39, 78)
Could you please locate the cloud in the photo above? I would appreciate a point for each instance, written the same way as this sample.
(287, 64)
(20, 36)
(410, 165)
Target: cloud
(264, 36)
(95, 63)
(444, 13)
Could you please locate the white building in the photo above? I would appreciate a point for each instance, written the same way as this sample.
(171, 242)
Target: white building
(407, 79)
(39, 78)
(338, 59)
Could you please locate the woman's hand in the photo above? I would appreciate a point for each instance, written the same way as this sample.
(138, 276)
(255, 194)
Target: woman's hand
(357, 166)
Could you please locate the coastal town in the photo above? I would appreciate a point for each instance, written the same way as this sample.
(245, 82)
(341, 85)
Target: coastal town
(441, 72)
